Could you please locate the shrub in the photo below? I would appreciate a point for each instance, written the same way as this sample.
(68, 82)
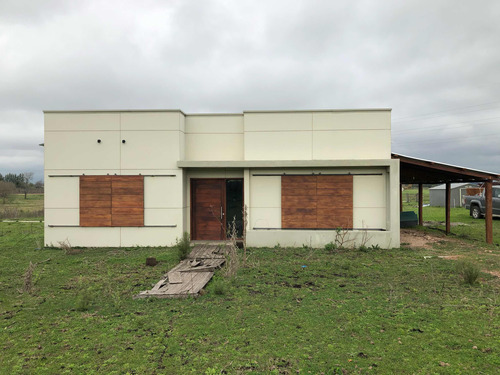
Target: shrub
(330, 246)
(469, 272)
(183, 246)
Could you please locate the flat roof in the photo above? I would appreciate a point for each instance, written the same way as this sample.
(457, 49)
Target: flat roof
(217, 114)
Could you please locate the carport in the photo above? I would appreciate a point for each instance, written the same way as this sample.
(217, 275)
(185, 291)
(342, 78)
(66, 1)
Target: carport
(420, 171)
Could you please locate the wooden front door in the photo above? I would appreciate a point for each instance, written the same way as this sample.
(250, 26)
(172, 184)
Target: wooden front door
(208, 209)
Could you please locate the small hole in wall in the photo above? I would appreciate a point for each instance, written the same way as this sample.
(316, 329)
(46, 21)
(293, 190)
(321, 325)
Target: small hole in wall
(99, 141)
(123, 140)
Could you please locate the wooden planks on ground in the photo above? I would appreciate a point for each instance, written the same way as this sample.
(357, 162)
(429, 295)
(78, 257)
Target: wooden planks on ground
(190, 275)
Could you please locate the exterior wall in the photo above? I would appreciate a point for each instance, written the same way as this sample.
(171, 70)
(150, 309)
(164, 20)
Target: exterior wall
(214, 137)
(320, 135)
(153, 145)
(156, 141)
(372, 208)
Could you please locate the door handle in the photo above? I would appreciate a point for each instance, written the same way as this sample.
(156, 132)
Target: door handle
(221, 213)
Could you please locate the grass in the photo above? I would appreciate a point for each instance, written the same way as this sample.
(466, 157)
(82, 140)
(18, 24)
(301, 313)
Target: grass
(17, 207)
(378, 311)
(468, 228)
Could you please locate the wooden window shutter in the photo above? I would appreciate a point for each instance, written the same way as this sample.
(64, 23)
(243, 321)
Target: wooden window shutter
(316, 202)
(111, 201)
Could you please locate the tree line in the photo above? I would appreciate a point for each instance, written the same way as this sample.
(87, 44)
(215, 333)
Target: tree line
(12, 182)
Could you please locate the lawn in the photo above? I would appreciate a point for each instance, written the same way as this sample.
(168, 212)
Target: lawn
(17, 207)
(289, 311)
(463, 225)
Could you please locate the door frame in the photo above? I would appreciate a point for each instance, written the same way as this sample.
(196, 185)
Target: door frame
(224, 200)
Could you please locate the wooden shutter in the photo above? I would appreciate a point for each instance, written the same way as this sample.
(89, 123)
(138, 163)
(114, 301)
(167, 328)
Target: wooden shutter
(127, 201)
(111, 201)
(316, 202)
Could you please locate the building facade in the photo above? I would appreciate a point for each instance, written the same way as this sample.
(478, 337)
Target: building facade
(142, 178)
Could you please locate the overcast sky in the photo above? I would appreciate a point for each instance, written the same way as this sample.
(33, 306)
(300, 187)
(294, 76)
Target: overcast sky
(435, 63)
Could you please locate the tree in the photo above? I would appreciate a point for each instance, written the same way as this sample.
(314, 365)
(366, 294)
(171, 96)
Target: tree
(26, 184)
(16, 179)
(6, 189)
(1, 177)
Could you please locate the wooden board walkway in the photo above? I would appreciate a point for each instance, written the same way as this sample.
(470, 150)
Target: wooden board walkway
(190, 275)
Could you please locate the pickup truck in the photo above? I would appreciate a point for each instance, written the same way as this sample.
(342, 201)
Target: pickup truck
(476, 205)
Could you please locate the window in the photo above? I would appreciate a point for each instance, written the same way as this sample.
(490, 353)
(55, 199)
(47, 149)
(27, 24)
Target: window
(316, 202)
(111, 201)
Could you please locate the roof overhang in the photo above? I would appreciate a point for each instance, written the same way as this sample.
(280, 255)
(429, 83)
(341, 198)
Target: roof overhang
(421, 171)
(286, 163)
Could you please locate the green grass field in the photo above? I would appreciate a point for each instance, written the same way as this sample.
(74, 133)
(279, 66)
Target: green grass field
(16, 207)
(290, 311)
(465, 226)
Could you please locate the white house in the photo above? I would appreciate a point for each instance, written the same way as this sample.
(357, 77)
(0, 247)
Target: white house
(127, 178)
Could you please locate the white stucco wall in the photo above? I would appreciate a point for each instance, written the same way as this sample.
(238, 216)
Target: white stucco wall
(214, 137)
(157, 141)
(153, 145)
(317, 135)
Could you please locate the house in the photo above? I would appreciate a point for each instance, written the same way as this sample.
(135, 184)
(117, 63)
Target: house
(142, 178)
(458, 190)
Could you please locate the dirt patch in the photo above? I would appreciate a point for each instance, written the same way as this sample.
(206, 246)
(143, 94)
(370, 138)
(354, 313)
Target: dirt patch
(416, 239)
(494, 273)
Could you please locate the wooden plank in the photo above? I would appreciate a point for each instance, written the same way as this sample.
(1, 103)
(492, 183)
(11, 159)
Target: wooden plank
(174, 277)
(95, 220)
(299, 201)
(95, 197)
(95, 204)
(94, 190)
(127, 180)
(329, 202)
(127, 220)
(128, 190)
(95, 211)
(99, 179)
(119, 201)
(127, 211)
(85, 184)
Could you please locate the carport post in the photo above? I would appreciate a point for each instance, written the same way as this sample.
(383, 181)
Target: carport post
(488, 215)
(420, 204)
(448, 195)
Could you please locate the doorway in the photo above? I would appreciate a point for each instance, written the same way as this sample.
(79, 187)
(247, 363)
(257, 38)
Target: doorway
(215, 204)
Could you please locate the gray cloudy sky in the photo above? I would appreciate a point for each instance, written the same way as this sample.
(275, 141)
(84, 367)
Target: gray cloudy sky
(435, 63)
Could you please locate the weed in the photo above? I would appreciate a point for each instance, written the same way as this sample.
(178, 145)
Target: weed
(331, 246)
(28, 279)
(231, 252)
(341, 237)
(219, 288)
(183, 246)
(469, 272)
(83, 300)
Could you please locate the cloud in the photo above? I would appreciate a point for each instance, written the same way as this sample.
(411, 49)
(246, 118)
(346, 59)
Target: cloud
(417, 57)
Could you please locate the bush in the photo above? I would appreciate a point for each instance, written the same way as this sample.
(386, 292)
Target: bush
(469, 272)
(183, 246)
(330, 246)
